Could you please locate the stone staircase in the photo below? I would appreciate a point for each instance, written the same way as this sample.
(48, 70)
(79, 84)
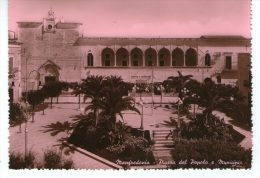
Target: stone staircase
(162, 145)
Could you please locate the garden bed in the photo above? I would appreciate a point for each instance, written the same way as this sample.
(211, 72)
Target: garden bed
(131, 156)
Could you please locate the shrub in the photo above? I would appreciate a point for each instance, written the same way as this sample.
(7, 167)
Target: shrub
(131, 146)
(210, 154)
(68, 164)
(17, 161)
(53, 160)
(197, 128)
(16, 114)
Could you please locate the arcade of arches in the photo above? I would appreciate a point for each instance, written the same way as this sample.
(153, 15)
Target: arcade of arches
(136, 57)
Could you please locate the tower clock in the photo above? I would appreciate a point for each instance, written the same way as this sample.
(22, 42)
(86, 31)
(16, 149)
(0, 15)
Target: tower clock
(49, 22)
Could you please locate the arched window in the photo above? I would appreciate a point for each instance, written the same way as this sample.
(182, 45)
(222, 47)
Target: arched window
(177, 57)
(122, 57)
(164, 57)
(207, 60)
(90, 61)
(108, 57)
(191, 57)
(150, 57)
(136, 57)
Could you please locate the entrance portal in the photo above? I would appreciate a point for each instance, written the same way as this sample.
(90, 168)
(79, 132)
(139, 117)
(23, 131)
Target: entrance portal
(49, 79)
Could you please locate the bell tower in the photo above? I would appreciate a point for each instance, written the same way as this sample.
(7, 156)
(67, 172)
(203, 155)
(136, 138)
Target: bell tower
(49, 22)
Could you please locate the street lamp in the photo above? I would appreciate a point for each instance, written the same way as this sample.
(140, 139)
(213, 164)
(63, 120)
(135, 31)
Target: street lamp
(134, 90)
(196, 98)
(35, 75)
(142, 103)
(161, 89)
(180, 100)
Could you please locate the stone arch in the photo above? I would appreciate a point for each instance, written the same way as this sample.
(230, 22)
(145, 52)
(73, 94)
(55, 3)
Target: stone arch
(207, 60)
(150, 57)
(108, 57)
(191, 57)
(50, 72)
(164, 57)
(177, 57)
(122, 57)
(136, 57)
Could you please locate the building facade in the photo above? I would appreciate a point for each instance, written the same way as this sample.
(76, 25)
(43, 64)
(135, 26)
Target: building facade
(244, 77)
(54, 50)
(15, 77)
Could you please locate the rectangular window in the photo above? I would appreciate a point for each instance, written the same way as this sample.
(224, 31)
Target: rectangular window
(228, 62)
(11, 65)
(218, 79)
(124, 63)
(90, 60)
(107, 62)
(135, 63)
(161, 63)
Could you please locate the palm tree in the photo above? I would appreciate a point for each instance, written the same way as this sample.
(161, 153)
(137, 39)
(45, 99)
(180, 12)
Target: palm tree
(177, 83)
(212, 97)
(92, 87)
(113, 102)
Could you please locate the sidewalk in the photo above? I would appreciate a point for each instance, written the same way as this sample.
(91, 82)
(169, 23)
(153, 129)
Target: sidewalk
(247, 141)
(39, 141)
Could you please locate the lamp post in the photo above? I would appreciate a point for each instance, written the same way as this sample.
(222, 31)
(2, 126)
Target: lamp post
(142, 103)
(35, 75)
(152, 90)
(179, 102)
(134, 90)
(161, 89)
(26, 110)
(184, 91)
(196, 98)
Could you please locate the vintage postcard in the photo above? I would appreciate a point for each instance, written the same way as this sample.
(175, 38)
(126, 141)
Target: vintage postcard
(130, 85)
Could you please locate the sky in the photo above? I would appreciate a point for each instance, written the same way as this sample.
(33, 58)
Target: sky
(141, 18)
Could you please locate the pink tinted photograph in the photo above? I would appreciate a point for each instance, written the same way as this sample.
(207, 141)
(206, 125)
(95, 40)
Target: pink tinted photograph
(128, 85)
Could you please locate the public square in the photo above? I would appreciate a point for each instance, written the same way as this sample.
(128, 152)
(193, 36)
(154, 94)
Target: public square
(153, 119)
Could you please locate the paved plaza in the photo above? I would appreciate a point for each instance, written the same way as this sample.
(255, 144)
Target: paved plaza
(38, 141)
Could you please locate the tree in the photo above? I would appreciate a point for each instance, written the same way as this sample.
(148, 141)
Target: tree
(177, 83)
(113, 101)
(16, 114)
(213, 97)
(33, 97)
(91, 88)
(52, 89)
